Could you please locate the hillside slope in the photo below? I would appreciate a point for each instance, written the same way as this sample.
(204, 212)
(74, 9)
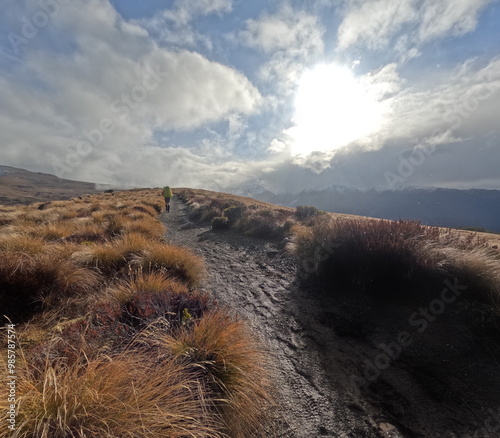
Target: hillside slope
(19, 186)
(319, 346)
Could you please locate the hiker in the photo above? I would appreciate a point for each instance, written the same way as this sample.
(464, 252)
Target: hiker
(167, 194)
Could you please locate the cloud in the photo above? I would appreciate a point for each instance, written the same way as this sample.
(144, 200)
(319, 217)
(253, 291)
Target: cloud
(276, 146)
(286, 30)
(459, 100)
(374, 24)
(185, 11)
(290, 37)
(91, 111)
(91, 96)
(462, 165)
(174, 27)
(453, 115)
(442, 17)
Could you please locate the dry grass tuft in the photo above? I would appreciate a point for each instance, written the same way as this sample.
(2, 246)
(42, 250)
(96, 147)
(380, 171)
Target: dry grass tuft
(106, 257)
(53, 231)
(175, 261)
(127, 395)
(149, 227)
(29, 282)
(223, 352)
(148, 296)
(154, 282)
(396, 259)
(21, 243)
(246, 215)
(86, 280)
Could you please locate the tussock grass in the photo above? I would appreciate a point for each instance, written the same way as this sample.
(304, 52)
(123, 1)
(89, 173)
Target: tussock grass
(84, 231)
(29, 281)
(147, 209)
(7, 216)
(53, 231)
(21, 243)
(266, 223)
(145, 297)
(86, 281)
(34, 217)
(123, 396)
(175, 261)
(112, 255)
(245, 215)
(106, 257)
(220, 349)
(396, 259)
(367, 253)
(137, 250)
(478, 268)
(148, 227)
(153, 282)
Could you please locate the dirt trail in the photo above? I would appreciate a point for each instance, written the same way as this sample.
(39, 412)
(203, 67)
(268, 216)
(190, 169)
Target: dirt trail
(319, 348)
(254, 278)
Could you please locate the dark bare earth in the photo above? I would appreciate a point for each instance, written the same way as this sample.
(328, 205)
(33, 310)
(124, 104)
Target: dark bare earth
(442, 385)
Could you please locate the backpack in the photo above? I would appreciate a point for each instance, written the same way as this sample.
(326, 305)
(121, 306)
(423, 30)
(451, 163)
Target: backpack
(167, 192)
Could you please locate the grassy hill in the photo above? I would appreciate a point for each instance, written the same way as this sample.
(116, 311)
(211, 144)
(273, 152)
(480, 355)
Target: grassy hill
(19, 186)
(114, 335)
(108, 332)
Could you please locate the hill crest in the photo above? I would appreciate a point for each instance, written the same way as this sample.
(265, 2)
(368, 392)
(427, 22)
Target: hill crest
(20, 186)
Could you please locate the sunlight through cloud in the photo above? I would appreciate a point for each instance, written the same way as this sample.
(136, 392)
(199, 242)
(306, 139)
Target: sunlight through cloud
(332, 109)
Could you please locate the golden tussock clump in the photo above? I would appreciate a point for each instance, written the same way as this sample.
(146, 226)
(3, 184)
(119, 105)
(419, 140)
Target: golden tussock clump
(128, 395)
(87, 281)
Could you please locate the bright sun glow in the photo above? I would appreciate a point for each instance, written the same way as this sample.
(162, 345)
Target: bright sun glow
(332, 109)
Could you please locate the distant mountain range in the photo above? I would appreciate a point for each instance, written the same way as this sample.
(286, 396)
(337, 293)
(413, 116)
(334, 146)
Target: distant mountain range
(19, 186)
(442, 207)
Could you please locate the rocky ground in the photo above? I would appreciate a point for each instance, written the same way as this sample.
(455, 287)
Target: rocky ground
(345, 366)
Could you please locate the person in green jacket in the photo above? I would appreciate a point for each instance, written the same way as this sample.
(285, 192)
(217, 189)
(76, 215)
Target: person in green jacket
(167, 194)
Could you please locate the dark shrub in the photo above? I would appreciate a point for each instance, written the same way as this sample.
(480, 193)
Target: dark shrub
(220, 223)
(306, 211)
(261, 223)
(385, 256)
(233, 213)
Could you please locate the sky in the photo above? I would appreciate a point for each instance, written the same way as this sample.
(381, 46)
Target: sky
(246, 96)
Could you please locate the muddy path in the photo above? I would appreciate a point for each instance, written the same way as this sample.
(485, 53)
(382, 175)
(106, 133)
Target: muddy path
(317, 350)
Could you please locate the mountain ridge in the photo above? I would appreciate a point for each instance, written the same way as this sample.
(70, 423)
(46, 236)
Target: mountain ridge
(453, 208)
(21, 186)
